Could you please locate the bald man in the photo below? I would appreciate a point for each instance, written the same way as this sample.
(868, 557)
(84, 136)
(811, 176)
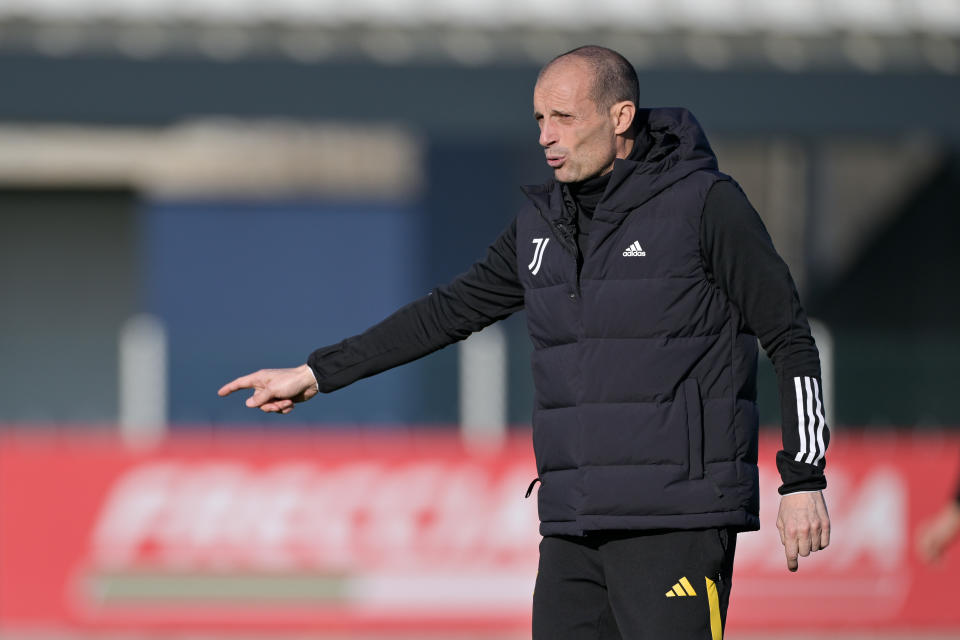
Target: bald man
(647, 279)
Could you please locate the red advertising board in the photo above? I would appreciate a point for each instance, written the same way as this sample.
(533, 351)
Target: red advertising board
(388, 531)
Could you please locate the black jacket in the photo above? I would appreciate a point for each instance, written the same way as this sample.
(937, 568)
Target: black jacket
(724, 242)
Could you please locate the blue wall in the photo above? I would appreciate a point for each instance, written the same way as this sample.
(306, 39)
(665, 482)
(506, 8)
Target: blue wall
(243, 286)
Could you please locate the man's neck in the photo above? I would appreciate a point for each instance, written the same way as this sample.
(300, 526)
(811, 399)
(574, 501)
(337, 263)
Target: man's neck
(624, 147)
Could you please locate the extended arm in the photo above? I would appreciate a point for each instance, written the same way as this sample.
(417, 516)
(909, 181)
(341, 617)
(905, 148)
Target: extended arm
(487, 292)
(742, 260)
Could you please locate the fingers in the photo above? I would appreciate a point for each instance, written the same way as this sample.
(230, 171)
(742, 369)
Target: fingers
(274, 390)
(277, 406)
(791, 548)
(259, 381)
(822, 530)
(814, 534)
(804, 526)
(243, 382)
(824, 517)
(282, 406)
(804, 542)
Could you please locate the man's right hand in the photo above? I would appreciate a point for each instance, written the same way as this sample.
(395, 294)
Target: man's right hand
(275, 390)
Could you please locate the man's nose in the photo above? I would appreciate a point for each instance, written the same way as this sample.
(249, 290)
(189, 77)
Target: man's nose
(548, 135)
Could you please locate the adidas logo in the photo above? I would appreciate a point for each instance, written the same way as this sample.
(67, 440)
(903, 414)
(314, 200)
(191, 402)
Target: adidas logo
(634, 250)
(683, 588)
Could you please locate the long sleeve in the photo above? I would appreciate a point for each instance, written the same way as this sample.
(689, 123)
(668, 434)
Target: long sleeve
(740, 257)
(487, 292)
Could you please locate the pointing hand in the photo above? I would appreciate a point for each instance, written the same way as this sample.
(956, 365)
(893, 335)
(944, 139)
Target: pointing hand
(275, 390)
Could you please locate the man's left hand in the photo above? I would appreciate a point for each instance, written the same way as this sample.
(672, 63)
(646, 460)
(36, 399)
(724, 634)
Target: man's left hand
(804, 525)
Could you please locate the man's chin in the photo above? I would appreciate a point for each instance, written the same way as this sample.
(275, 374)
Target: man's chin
(566, 177)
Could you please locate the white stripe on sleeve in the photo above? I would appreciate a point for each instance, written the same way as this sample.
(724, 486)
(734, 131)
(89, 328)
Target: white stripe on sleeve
(801, 419)
(812, 423)
(820, 424)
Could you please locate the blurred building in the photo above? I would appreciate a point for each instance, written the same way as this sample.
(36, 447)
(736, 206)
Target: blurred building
(266, 178)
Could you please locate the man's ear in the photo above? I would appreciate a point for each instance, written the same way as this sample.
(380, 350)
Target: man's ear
(623, 114)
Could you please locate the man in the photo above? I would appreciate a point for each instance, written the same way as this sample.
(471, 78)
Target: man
(646, 277)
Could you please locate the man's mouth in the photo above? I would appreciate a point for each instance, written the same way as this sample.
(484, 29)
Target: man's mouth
(555, 161)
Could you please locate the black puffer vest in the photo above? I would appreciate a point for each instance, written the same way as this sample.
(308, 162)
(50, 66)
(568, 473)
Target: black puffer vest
(645, 413)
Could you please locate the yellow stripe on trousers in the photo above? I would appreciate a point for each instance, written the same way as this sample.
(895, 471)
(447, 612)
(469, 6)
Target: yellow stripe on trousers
(713, 599)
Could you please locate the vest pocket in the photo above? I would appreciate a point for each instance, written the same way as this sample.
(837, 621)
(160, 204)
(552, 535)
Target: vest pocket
(691, 396)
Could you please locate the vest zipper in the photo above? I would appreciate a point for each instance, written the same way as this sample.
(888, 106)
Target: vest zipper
(566, 239)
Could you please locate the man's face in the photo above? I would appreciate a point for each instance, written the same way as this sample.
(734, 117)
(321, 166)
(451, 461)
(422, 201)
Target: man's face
(579, 142)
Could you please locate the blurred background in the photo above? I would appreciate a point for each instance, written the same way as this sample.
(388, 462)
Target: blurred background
(190, 191)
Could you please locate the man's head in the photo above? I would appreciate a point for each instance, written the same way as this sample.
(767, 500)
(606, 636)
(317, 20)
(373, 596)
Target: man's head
(585, 101)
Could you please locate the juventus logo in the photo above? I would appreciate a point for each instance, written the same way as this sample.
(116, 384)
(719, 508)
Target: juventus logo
(534, 265)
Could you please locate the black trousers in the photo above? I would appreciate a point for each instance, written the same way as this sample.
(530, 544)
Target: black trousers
(634, 585)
